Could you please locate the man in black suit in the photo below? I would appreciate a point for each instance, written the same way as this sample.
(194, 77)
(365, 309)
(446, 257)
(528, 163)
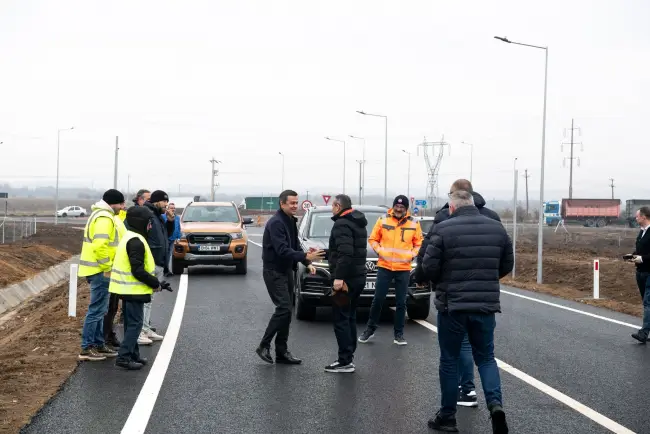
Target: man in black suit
(641, 258)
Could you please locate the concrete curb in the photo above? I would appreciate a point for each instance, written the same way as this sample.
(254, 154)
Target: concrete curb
(13, 295)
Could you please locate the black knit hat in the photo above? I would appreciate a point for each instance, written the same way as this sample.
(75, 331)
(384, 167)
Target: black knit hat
(158, 196)
(401, 200)
(113, 197)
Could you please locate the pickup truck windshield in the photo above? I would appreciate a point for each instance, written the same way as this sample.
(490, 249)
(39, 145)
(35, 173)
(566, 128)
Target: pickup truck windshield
(211, 214)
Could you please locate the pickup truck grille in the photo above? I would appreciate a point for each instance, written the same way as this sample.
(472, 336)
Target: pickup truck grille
(209, 239)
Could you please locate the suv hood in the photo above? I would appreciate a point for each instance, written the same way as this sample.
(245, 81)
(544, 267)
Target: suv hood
(206, 227)
(320, 243)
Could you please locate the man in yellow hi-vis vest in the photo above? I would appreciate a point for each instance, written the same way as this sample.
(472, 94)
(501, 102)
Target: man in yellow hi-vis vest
(133, 280)
(100, 240)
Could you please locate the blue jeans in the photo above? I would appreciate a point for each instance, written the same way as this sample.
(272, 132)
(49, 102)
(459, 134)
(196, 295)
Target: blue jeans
(170, 252)
(643, 282)
(466, 367)
(384, 279)
(92, 334)
(480, 330)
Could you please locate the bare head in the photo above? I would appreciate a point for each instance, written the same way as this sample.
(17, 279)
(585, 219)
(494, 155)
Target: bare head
(141, 197)
(643, 216)
(459, 199)
(341, 203)
(289, 202)
(461, 184)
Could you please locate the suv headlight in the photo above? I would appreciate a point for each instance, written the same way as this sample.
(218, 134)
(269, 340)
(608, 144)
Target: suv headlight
(237, 235)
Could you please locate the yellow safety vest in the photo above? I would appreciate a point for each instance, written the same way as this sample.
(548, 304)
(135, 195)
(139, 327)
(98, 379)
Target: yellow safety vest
(122, 280)
(98, 249)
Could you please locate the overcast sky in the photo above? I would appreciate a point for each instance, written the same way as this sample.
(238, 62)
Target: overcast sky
(180, 82)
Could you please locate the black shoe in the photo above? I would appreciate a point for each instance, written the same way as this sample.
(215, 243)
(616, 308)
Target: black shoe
(337, 367)
(128, 364)
(467, 399)
(113, 341)
(265, 354)
(499, 425)
(443, 423)
(640, 336)
(366, 336)
(287, 359)
(169, 274)
(142, 361)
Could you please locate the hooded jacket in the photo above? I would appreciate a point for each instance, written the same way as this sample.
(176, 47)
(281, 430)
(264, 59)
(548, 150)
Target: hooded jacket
(396, 241)
(158, 237)
(138, 220)
(102, 234)
(348, 243)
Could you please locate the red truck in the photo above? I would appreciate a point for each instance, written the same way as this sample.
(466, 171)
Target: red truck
(593, 212)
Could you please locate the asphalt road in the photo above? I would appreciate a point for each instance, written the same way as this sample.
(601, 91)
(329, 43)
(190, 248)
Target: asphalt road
(215, 383)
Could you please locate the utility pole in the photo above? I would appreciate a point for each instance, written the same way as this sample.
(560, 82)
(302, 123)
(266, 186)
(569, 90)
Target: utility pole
(214, 183)
(526, 176)
(611, 185)
(571, 157)
(117, 150)
(360, 178)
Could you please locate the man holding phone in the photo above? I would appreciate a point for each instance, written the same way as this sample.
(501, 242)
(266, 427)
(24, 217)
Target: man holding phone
(641, 258)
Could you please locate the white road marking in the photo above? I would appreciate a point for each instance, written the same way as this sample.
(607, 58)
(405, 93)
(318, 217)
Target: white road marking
(253, 242)
(553, 393)
(143, 407)
(570, 309)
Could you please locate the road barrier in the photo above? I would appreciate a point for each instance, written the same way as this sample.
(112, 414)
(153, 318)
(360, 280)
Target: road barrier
(12, 229)
(596, 279)
(72, 293)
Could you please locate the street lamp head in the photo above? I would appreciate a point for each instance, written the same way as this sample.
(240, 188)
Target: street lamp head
(361, 112)
(504, 39)
(327, 138)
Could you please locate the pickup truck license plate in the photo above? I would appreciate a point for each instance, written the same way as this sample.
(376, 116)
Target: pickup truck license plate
(370, 285)
(209, 248)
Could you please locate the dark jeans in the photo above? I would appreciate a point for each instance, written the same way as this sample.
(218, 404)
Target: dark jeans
(109, 318)
(345, 323)
(92, 334)
(384, 279)
(279, 285)
(643, 282)
(480, 330)
(133, 317)
(466, 366)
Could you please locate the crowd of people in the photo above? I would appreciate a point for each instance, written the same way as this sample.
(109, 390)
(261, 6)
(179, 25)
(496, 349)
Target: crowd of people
(125, 256)
(463, 256)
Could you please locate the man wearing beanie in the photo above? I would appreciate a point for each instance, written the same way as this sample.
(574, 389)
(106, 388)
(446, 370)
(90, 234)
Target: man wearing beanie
(101, 237)
(396, 238)
(157, 238)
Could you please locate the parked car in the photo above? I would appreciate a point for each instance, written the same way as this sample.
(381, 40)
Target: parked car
(426, 223)
(72, 211)
(309, 290)
(212, 233)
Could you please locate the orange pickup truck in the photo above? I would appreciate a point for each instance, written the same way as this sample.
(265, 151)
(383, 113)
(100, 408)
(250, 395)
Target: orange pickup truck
(212, 233)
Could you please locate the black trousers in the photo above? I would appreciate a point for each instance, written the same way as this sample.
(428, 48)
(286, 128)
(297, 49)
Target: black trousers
(133, 318)
(345, 323)
(109, 318)
(279, 285)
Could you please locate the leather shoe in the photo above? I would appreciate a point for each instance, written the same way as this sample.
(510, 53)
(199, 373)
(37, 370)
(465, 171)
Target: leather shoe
(265, 354)
(142, 361)
(128, 364)
(640, 336)
(287, 358)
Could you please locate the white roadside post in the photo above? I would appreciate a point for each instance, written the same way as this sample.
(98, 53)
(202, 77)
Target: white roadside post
(596, 279)
(72, 294)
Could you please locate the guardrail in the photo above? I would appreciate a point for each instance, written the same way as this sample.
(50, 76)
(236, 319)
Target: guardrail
(16, 229)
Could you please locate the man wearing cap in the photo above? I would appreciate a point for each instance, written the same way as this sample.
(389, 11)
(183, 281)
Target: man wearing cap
(396, 238)
(158, 240)
(100, 240)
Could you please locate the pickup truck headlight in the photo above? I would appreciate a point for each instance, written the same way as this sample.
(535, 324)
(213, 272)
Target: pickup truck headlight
(237, 235)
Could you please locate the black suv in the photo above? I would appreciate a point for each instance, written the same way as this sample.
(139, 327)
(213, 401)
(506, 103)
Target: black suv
(309, 293)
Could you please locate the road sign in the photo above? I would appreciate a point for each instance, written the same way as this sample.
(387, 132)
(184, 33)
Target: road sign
(326, 198)
(421, 202)
(412, 200)
(306, 205)
(416, 210)
(4, 195)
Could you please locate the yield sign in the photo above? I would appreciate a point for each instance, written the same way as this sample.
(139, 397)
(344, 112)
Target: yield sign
(326, 198)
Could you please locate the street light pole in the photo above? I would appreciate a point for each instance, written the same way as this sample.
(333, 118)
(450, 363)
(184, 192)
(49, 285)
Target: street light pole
(540, 228)
(471, 159)
(385, 152)
(282, 170)
(363, 170)
(58, 153)
(341, 141)
(514, 220)
(408, 185)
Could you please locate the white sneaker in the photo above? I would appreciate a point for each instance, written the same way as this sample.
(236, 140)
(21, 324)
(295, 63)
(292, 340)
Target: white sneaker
(144, 340)
(152, 335)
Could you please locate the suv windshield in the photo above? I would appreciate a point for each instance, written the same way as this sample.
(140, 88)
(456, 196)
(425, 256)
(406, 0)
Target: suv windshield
(426, 225)
(211, 214)
(321, 223)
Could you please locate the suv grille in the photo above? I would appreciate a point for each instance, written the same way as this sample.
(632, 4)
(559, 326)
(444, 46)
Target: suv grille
(209, 239)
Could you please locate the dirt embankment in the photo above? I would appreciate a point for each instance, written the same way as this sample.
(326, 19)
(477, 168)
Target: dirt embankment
(27, 257)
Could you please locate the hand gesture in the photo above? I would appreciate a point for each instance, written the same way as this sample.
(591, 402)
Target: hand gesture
(312, 269)
(316, 254)
(338, 284)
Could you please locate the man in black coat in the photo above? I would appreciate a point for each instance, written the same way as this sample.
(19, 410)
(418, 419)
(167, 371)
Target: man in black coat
(466, 256)
(347, 255)
(641, 257)
(466, 388)
(280, 254)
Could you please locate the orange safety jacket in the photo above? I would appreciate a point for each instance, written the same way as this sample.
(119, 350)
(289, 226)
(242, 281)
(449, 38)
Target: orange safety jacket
(396, 242)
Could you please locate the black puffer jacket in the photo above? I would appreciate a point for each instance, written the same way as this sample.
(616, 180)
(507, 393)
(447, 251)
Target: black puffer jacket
(348, 246)
(466, 256)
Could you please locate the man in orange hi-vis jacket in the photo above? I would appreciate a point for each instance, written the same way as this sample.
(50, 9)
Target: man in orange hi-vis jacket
(396, 238)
